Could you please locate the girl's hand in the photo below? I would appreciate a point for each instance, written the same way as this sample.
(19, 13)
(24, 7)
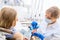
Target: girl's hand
(25, 39)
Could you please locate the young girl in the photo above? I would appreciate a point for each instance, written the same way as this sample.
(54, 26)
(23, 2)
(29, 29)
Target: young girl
(8, 20)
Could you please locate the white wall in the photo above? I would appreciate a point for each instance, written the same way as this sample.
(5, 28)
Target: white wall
(49, 3)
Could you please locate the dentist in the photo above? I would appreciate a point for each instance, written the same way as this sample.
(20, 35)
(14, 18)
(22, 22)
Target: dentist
(53, 28)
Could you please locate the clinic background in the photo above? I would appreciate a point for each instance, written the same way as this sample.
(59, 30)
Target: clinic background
(29, 10)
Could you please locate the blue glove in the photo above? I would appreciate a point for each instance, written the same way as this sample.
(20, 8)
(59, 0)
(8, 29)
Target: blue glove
(31, 28)
(34, 25)
(38, 35)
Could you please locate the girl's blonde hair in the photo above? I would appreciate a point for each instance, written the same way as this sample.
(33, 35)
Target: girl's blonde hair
(8, 15)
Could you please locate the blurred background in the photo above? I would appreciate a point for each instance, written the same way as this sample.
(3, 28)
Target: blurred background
(29, 10)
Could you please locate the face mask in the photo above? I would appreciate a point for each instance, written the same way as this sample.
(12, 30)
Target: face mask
(48, 20)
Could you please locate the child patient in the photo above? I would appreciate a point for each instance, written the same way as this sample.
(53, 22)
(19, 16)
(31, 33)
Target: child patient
(8, 21)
